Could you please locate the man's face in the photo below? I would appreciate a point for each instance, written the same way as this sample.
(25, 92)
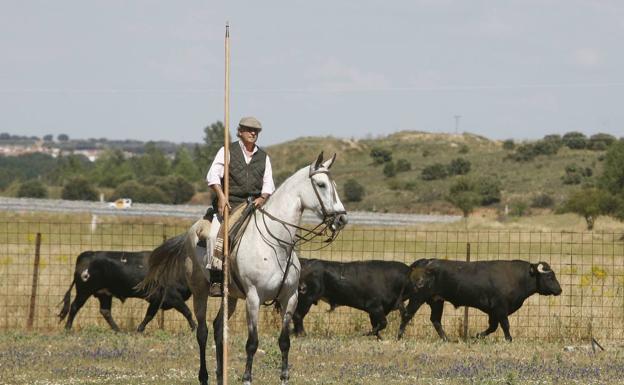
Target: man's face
(248, 135)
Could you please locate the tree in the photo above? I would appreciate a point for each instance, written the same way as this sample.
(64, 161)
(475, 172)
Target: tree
(463, 195)
(177, 189)
(459, 166)
(112, 169)
(488, 189)
(575, 140)
(152, 163)
(184, 166)
(612, 178)
(600, 141)
(48, 138)
(353, 191)
(590, 203)
(69, 166)
(32, 189)
(79, 188)
(62, 138)
(466, 201)
(213, 140)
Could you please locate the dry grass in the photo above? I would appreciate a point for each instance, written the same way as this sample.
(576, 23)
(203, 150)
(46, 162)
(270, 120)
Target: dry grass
(590, 268)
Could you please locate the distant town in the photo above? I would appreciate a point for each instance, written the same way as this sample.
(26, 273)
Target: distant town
(15, 145)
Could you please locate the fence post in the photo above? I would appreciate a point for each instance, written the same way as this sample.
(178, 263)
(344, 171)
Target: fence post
(466, 307)
(35, 281)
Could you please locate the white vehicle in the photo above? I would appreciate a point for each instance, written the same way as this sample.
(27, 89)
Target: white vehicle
(121, 203)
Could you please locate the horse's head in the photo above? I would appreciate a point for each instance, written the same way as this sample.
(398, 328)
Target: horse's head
(322, 196)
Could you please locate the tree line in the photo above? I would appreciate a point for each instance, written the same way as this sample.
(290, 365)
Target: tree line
(150, 176)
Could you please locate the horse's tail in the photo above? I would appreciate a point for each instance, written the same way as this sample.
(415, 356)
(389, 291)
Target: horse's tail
(65, 301)
(166, 264)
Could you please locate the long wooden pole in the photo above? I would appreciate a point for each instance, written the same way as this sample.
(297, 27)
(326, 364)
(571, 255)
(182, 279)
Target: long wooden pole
(226, 214)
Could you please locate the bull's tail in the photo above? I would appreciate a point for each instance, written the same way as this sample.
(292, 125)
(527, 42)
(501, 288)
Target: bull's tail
(66, 301)
(166, 264)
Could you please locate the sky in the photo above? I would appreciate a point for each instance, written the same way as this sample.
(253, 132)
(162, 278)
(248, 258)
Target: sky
(154, 70)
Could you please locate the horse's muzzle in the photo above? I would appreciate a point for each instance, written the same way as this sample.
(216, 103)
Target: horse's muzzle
(340, 221)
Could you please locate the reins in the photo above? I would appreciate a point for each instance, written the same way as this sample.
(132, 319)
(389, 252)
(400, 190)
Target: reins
(323, 228)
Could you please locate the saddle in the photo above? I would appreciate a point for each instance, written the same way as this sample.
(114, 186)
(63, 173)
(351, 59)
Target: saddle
(238, 220)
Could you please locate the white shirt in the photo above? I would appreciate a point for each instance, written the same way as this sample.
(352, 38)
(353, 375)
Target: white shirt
(215, 173)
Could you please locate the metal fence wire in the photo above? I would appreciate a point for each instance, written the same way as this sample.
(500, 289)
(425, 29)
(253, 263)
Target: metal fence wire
(37, 263)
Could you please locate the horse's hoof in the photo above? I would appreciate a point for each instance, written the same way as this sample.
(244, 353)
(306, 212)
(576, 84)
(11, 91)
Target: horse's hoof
(246, 382)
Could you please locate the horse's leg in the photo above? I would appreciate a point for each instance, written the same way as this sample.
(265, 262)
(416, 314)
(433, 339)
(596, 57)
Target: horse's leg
(253, 307)
(200, 304)
(288, 308)
(217, 326)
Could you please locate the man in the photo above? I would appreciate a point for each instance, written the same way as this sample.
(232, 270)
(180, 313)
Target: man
(250, 175)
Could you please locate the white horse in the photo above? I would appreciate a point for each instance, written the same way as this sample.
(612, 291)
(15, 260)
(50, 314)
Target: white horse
(263, 266)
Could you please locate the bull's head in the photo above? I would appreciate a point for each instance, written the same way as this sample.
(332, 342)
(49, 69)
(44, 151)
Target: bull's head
(421, 278)
(547, 283)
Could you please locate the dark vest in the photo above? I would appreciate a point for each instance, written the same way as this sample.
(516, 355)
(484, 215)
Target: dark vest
(245, 179)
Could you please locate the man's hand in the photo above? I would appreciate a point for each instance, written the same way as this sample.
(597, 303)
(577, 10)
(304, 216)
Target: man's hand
(259, 201)
(222, 203)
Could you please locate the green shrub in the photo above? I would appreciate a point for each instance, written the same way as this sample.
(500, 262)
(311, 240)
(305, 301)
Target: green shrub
(79, 188)
(575, 174)
(518, 208)
(464, 149)
(542, 200)
(32, 189)
(354, 192)
(380, 155)
(434, 171)
(459, 166)
(140, 193)
(403, 165)
(389, 170)
(509, 144)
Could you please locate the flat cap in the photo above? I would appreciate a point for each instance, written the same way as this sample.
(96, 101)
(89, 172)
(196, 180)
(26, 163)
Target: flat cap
(250, 122)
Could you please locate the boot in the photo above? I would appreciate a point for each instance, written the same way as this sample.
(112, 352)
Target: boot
(216, 283)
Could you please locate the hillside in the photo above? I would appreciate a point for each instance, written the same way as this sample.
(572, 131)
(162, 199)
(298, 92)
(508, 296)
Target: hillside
(407, 192)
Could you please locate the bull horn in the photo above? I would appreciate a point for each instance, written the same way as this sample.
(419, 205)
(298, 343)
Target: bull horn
(540, 268)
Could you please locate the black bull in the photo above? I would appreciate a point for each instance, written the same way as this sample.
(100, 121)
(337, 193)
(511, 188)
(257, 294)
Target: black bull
(497, 288)
(376, 287)
(108, 274)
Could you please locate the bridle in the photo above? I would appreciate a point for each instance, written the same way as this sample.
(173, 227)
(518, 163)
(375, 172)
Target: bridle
(325, 228)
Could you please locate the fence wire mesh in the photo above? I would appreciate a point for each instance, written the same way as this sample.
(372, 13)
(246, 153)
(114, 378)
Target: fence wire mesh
(589, 267)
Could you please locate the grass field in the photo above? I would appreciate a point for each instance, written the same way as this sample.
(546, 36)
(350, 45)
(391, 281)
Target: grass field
(99, 356)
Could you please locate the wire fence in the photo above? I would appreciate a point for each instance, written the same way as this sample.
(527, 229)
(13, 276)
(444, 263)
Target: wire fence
(37, 262)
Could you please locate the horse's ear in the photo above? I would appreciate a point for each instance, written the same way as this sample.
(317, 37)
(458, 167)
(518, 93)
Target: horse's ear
(328, 163)
(319, 161)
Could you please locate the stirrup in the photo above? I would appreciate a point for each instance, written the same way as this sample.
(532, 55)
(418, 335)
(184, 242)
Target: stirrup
(216, 290)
